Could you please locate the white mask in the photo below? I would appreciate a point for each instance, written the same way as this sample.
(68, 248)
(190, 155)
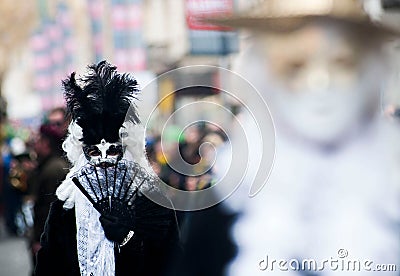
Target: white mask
(322, 87)
(104, 154)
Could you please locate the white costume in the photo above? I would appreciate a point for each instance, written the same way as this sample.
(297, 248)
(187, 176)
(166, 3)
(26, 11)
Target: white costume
(333, 198)
(317, 202)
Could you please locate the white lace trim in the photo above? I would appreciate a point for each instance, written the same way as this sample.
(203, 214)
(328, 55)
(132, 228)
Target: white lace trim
(95, 251)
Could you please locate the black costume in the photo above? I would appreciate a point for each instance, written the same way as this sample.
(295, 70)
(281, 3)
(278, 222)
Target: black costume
(102, 206)
(140, 256)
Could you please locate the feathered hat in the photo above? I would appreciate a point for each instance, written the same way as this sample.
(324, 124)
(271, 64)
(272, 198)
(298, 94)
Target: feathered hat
(100, 102)
(284, 15)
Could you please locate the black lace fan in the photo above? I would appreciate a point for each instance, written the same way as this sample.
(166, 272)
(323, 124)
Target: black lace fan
(115, 190)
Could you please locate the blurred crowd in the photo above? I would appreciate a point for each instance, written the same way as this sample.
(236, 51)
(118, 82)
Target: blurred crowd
(32, 166)
(195, 145)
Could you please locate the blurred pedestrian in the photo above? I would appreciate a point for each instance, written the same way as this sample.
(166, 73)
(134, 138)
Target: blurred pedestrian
(22, 165)
(58, 117)
(11, 197)
(44, 180)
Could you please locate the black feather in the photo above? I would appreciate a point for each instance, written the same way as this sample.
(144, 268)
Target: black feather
(100, 106)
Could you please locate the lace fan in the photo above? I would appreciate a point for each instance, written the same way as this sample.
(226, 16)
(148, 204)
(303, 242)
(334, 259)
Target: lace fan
(114, 190)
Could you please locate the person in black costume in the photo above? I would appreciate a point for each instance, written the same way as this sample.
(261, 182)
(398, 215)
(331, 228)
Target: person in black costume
(79, 238)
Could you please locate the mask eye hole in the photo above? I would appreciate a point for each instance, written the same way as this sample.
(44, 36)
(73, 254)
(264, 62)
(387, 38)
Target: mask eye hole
(114, 150)
(94, 151)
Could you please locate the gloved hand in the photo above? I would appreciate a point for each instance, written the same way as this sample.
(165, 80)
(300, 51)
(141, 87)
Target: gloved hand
(114, 229)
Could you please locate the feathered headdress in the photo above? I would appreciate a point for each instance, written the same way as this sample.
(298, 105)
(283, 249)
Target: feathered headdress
(100, 105)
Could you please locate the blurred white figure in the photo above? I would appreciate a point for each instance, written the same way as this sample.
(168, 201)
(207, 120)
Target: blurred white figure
(333, 195)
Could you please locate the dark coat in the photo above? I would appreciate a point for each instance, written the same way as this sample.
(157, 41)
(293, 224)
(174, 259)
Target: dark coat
(43, 184)
(140, 256)
(208, 246)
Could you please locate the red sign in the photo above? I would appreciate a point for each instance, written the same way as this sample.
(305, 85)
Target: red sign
(198, 9)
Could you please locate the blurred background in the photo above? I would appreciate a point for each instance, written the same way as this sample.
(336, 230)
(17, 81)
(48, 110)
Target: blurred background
(43, 41)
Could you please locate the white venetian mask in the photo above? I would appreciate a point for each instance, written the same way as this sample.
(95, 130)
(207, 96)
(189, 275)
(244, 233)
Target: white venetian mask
(323, 85)
(104, 154)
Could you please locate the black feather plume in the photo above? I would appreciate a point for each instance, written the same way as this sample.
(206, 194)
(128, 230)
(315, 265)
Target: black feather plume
(99, 107)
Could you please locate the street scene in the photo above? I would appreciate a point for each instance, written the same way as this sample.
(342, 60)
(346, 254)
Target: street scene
(200, 137)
